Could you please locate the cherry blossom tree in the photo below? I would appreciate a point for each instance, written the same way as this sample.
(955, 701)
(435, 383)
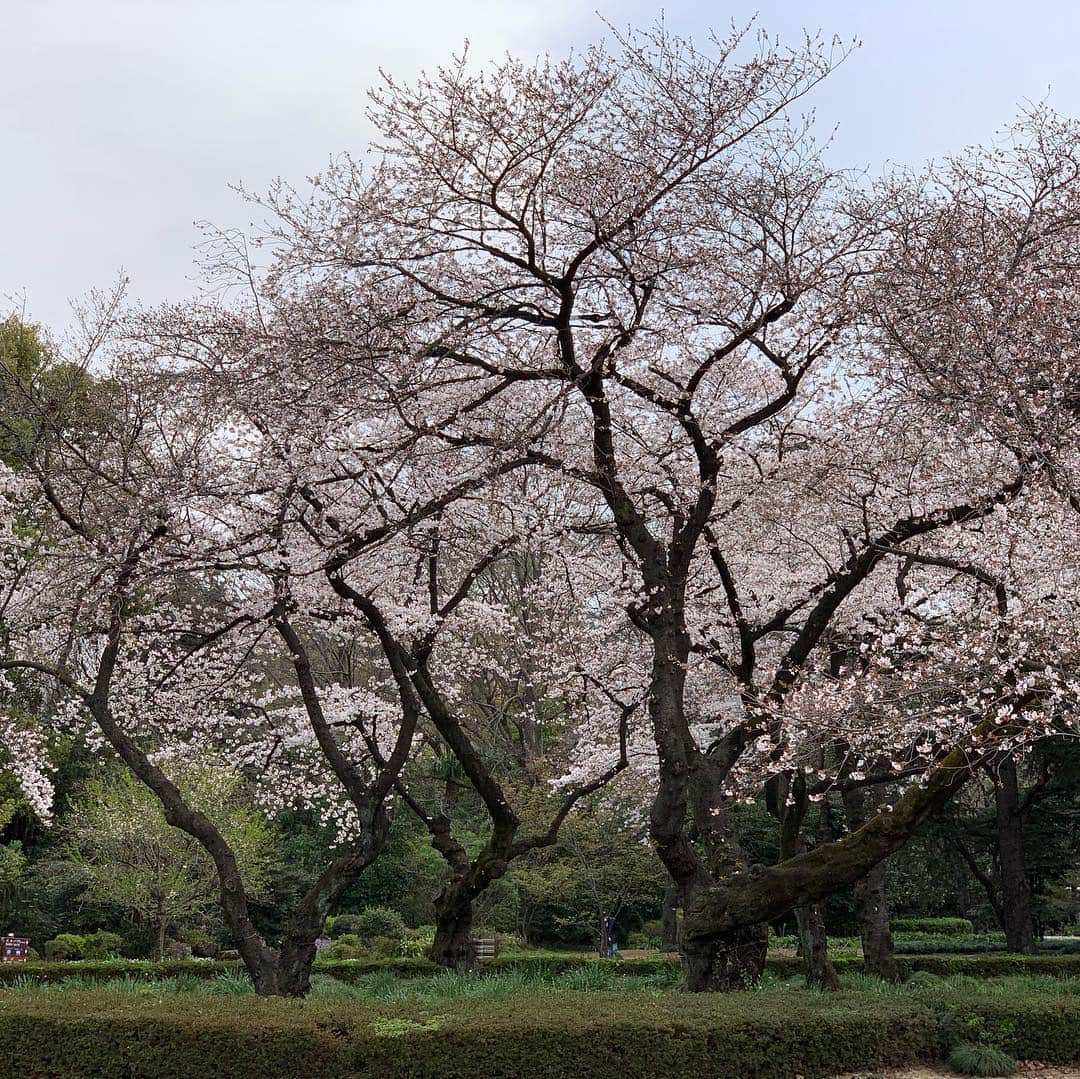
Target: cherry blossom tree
(169, 616)
(617, 309)
(632, 269)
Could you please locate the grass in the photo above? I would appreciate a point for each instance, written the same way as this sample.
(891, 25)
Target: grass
(385, 987)
(980, 1059)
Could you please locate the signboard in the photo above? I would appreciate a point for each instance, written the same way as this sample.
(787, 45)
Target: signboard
(14, 949)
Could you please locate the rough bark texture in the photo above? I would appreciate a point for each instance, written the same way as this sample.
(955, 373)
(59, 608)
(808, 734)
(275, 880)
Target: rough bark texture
(669, 920)
(789, 802)
(734, 961)
(814, 944)
(877, 941)
(870, 893)
(453, 945)
(1015, 891)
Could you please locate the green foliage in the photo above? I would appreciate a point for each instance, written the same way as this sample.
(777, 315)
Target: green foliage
(12, 869)
(101, 945)
(934, 927)
(977, 1059)
(601, 865)
(342, 925)
(417, 942)
(65, 946)
(379, 922)
(135, 860)
(624, 1035)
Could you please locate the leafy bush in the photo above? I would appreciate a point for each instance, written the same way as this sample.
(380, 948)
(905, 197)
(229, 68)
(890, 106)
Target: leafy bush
(417, 942)
(65, 946)
(342, 925)
(379, 922)
(934, 927)
(714, 1036)
(976, 1059)
(102, 945)
(384, 947)
(347, 946)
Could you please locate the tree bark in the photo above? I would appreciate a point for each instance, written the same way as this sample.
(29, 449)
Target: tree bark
(453, 945)
(161, 920)
(789, 803)
(722, 964)
(1015, 890)
(879, 958)
(814, 942)
(764, 893)
(874, 930)
(669, 920)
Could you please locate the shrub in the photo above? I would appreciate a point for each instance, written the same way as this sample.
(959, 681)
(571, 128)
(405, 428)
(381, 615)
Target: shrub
(934, 927)
(713, 1036)
(385, 947)
(342, 925)
(942, 945)
(379, 922)
(65, 946)
(417, 942)
(969, 1059)
(347, 946)
(102, 945)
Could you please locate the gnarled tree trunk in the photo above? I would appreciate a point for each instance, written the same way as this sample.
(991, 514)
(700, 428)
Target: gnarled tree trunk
(669, 920)
(725, 963)
(453, 945)
(814, 944)
(1014, 888)
(870, 894)
(874, 930)
(790, 803)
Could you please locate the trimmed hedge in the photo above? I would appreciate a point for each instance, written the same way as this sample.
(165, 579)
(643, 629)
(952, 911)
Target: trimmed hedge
(934, 927)
(604, 1036)
(994, 965)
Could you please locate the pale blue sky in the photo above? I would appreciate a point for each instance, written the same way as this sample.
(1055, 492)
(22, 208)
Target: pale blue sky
(124, 121)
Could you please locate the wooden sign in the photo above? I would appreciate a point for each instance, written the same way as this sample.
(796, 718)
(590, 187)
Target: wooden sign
(14, 949)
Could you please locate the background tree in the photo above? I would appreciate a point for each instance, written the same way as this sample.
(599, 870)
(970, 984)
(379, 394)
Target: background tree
(137, 861)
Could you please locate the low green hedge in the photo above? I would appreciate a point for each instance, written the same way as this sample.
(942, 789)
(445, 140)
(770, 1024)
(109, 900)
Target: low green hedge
(994, 965)
(550, 1036)
(933, 927)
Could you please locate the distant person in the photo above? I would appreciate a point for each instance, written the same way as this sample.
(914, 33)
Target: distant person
(614, 936)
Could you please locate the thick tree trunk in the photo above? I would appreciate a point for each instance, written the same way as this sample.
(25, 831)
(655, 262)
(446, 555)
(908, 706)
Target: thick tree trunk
(453, 947)
(814, 942)
(669, 920)
(877, 941)
(1016, 915)
(870, 893)
(286, 973)
(727, 963)
(790, 805)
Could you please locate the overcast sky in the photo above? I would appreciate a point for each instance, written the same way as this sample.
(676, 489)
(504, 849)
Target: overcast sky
(124, 122)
